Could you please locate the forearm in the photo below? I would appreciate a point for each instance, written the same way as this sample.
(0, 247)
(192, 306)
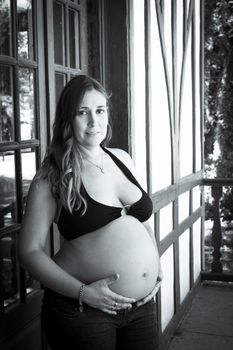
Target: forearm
(46, 271)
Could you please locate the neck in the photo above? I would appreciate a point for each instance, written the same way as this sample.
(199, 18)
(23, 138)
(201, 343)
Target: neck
(91, 152)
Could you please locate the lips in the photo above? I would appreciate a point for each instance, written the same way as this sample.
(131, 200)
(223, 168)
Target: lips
(93, 133)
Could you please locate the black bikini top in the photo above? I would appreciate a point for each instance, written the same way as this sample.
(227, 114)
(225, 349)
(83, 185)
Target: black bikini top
(97, 214)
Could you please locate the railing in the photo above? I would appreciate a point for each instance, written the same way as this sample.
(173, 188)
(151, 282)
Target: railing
(217, 272)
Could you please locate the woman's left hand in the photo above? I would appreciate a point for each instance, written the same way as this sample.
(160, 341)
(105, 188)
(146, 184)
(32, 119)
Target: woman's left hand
(154, 291)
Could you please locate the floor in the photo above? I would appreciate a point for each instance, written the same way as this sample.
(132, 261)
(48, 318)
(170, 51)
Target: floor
(208, 324)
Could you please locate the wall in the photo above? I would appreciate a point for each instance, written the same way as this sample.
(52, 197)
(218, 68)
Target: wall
(166, 139)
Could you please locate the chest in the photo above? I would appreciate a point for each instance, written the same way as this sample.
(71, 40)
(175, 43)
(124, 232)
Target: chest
(112, 187)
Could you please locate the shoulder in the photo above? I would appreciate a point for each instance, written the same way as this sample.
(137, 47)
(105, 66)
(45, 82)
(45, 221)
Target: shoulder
(124, 157)
(40, 184)
(40, 192)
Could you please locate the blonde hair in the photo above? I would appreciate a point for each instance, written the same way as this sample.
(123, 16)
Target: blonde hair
(63, 162)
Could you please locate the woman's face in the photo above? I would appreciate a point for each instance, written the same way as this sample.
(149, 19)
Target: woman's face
(90, 123)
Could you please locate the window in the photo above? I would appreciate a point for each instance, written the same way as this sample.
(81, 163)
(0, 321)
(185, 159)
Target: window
(65, 35)
(19, 140)
(19, 113)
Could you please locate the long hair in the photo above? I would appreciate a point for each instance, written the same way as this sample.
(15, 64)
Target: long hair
(63, 162)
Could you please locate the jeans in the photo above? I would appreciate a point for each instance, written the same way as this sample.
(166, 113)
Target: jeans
(66, 327)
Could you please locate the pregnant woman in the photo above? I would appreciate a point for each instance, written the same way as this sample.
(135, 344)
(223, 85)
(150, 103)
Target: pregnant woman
(100, 287)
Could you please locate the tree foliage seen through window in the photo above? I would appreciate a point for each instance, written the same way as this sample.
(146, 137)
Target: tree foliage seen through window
(219, 98)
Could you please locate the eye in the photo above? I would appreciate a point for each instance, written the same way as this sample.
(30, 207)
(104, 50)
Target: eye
(101, 110)
(82, 113)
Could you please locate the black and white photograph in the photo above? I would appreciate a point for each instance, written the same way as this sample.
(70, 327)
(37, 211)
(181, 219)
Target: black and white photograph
(116, 174)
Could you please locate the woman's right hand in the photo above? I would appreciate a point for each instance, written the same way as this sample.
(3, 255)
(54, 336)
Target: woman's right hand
(100, 296)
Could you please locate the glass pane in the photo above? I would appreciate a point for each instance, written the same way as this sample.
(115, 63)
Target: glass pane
(167, 287)
(72, 37)
(196, 198)
(179, 39)
(183, 206)
(60, 80)
(10, 269)
(168, 37)
(25, 29)
(197, 86)
(138, 91)
(161, 139)
(6, 105)
(27, 103)
(7, 189)
(74, 34)
(197, 249)
(28, 159)
(166, 220)
(184, 264)
(58, 28)
(5, 28)
(186, 117)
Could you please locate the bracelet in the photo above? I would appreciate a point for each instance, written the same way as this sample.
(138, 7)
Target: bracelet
(80, 297)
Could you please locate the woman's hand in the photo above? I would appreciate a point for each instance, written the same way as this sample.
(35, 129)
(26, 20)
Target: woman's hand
(99, 295)
(154, 291)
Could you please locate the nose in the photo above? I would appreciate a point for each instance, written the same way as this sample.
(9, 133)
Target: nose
(92, 118)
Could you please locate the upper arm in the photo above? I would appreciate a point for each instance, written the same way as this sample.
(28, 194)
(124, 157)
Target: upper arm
(39, 215)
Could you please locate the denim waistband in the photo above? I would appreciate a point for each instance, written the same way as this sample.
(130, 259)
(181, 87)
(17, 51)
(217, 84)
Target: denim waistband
(51, 296)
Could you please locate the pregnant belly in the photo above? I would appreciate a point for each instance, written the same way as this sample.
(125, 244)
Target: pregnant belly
(124, 247)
